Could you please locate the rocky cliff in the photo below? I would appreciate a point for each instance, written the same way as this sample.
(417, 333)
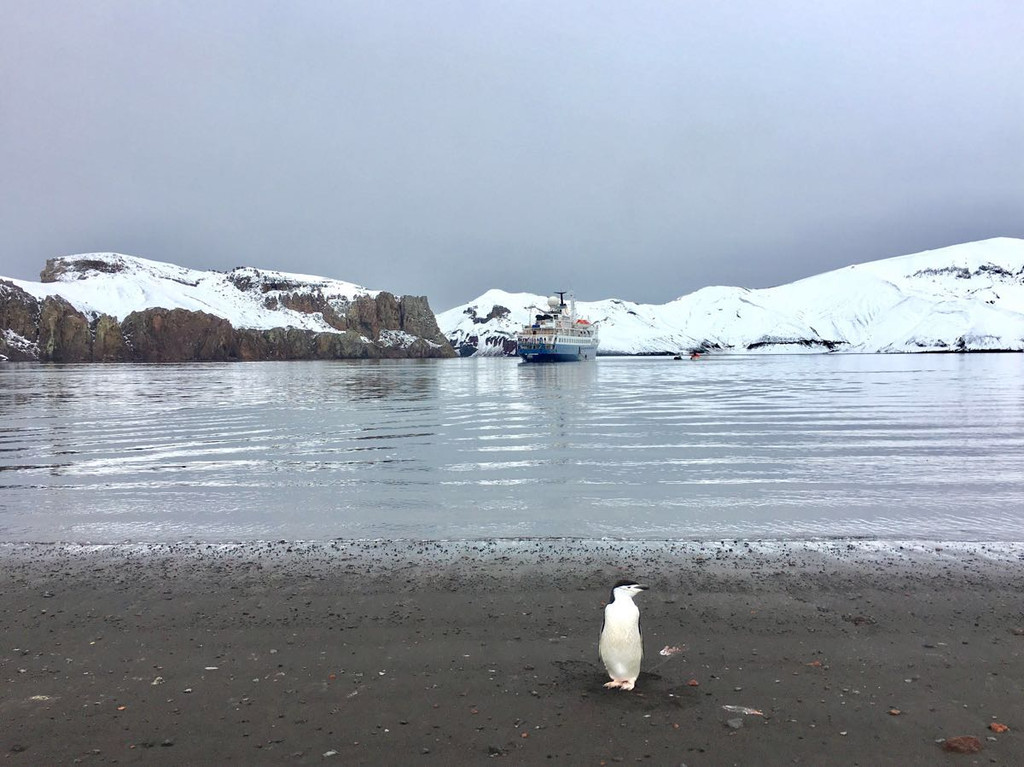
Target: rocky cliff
(93, 309)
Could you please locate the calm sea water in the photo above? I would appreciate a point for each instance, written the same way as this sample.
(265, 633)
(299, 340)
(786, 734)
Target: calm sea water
(894, 447)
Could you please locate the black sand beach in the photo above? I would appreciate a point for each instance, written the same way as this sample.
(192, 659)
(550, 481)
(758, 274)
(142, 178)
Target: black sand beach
(852, 653)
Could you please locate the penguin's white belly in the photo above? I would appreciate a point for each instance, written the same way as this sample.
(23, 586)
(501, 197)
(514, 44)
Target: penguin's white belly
(621, 646)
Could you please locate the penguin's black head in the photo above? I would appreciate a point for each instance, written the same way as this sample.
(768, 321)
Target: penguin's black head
(626, 588)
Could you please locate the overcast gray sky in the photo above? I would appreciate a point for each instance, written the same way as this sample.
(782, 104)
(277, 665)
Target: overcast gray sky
(639, 150)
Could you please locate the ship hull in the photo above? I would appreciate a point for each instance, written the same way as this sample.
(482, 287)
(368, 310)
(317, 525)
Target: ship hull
(560, 353)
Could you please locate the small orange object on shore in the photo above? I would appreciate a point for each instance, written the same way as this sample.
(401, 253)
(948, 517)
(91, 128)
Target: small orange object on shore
(997, 727)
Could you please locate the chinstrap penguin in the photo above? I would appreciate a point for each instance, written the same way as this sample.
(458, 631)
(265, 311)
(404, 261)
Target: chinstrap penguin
(621, 645)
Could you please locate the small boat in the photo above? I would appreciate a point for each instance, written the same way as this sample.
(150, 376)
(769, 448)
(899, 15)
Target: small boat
(557, 334)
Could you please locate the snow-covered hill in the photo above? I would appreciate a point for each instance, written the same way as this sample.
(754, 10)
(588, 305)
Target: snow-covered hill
(964, 297)
(116, 284)
(107, 307)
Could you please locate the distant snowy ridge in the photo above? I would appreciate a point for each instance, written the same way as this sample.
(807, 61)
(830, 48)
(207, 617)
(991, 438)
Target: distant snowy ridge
(967, 297)
(116, 284)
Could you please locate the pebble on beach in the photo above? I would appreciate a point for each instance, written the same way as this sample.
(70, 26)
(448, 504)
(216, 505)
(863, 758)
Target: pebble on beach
(962, 744)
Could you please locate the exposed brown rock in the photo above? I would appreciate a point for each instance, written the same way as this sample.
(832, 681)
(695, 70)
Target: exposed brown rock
(418, 320)
(177, 335)
(107, 340)
(19, 323)
(496, 311)
(63, 332)
(363, 317)
(314, 303)
(55, 267)
(297, 344)
(19, 311)
(388, 313)
(347, 345)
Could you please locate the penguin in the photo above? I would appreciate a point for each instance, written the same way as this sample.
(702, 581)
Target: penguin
(621, 645)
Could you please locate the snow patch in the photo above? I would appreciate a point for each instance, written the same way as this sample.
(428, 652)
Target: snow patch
(15, 341)
(397, 339)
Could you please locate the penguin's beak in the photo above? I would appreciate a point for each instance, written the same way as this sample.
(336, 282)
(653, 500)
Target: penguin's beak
(642, 588)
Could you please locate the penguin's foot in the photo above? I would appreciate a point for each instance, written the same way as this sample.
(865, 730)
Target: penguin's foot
(620, 684)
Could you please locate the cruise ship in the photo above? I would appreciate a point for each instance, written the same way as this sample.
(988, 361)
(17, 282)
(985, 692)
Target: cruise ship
(557, 334)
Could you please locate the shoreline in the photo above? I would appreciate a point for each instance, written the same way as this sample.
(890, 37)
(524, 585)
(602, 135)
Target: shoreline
(385, 652)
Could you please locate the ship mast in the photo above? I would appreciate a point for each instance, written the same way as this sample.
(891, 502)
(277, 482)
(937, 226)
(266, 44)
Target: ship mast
(562, 306)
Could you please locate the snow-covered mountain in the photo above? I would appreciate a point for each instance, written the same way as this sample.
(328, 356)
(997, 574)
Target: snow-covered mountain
(116, 284)
(966, 297)
(111, 307)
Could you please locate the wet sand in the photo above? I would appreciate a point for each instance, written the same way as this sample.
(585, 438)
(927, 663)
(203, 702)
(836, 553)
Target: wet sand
(854, 653)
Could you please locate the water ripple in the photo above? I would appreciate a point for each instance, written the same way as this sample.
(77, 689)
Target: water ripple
(804, 446)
